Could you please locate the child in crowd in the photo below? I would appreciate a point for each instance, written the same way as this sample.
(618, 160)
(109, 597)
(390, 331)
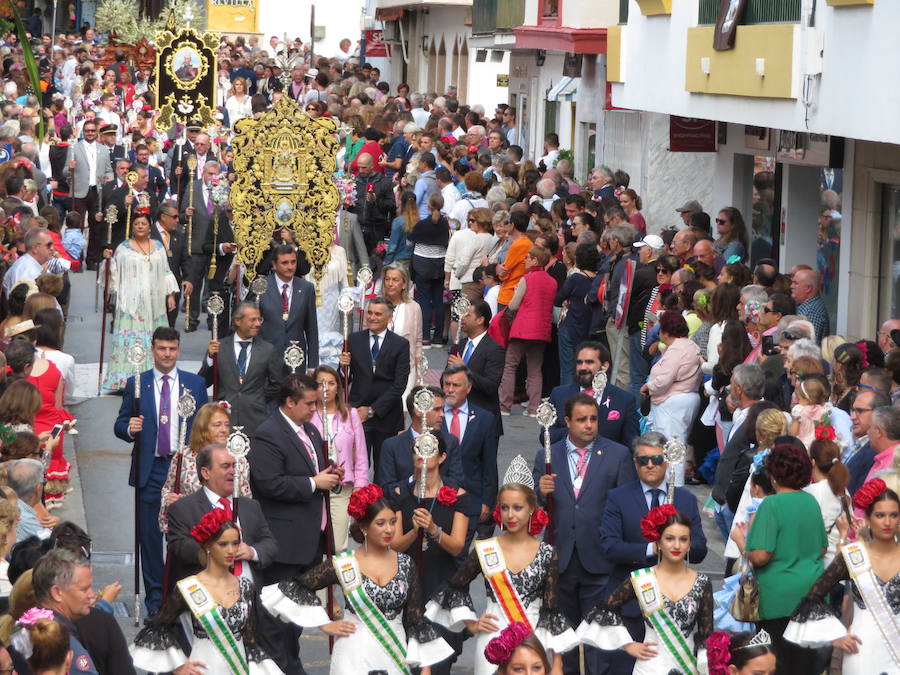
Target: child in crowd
(490, 284)
(73, 236)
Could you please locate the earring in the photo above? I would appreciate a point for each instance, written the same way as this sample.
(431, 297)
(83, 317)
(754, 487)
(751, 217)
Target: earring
(366, 542)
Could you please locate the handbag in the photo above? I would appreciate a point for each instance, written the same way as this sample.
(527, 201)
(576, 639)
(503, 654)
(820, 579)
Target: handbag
(745, 604)
(722, 599)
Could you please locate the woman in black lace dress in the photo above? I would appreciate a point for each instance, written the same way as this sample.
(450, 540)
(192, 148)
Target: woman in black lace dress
(385, 626)
(686, 601)
(439, 516)
(532, 569)
(871, 644)
(224, 612)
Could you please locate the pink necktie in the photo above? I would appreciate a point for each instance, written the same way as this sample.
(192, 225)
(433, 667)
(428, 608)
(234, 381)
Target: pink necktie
(580, 465)
(304, 438)
(454, 424)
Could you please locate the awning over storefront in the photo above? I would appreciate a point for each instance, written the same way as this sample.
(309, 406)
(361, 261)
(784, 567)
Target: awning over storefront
(564, 90)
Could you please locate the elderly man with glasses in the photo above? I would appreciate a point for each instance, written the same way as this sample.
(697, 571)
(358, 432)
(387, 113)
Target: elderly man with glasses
(859, 456)
(36, 259)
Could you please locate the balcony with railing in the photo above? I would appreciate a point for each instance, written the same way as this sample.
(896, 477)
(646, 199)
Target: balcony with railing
(491, 16)
(756, 12)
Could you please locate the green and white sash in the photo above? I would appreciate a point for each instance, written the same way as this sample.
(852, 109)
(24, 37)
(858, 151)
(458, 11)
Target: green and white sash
(350, 578)
(653, 606)
(858, 564)
(205, 609)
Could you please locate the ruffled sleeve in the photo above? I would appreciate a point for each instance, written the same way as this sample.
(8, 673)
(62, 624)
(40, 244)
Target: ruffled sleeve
(553, 628)
(424, 646)
(295, 601)
(704, 619)
(602, 626)
(159, 647)
(814, 623)
(452, 605)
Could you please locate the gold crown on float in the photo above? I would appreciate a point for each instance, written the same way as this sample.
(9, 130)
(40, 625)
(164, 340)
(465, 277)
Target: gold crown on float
(518, 471)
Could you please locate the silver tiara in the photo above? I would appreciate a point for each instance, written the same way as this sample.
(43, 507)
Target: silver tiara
(519, 472)
(761, 639)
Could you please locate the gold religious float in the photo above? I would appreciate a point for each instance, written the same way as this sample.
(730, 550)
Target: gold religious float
(186, 72)
(284, 161)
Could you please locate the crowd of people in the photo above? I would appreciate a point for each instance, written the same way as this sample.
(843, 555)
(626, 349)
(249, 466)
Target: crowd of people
(669, 357)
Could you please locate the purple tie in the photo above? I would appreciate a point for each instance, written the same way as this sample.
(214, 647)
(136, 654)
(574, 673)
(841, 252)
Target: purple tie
(210, 205)
(163, 433)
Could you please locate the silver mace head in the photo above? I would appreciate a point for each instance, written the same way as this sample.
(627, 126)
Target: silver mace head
(238, 443)
(546, 414)
(293, 356)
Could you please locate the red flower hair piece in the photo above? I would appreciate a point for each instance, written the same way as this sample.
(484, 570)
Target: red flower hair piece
(653, 521)
(718, 653)
(538, 521)
(497, 517)
(501, 648)
(825, 433)
(362, 499)
(209, 524)
(864, 348)
(866, 495)
(447, 495)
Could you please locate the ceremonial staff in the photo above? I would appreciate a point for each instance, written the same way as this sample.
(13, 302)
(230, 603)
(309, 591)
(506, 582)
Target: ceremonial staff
(460, 307)
(365, 277)
(424, 448)
(238, 446)
(345, 305)
(111, 214)
(187, 406)
(97, 218)
(674, 451)
(546, 417)
(331, 454)
(212, 258)
(137, 357)
(258, 287)
(130, 178)
(192, 165)
(215, 306)
(421, 370)
(180, 143)
(294, 356)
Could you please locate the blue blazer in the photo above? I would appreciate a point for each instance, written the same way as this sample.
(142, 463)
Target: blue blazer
(622, 430)
(859, 466)
(193, 383)
(478, 456)
(576, 521)
(620, 533)
(395, 463)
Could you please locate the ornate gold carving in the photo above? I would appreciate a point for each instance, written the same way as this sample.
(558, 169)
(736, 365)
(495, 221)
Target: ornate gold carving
(284, 162)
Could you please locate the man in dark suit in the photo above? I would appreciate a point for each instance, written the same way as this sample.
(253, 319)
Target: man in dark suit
(220, 247)
(167, 232)
(475, 430)
(860, 456)
(618, 408)
(291, 478)
(108, 133)
(379, 369)
(484, 358)
(395, 463)
(157, 423)
(620, 532)
(585, 467)
(200, 214)
(216, 470)
(248, 369)
(157, 184)
(288, 308)
(202, 149)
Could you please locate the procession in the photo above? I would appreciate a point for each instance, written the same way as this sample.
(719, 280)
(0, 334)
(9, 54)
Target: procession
(306, 330)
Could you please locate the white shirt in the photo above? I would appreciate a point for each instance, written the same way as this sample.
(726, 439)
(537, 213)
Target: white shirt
(420, 116)
(297, 431)
(213, 498)
(290, 290)
(451, 195)
(380, 339)
(549, 158)
(90, 149)
(475, 342)
(25, 267)
(174, 394)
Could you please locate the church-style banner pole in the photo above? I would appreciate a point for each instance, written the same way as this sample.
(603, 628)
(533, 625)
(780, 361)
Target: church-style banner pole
(137, 357)
(460, 307)
(424, 448)
(215, 306)
(192, 167)
(331, 456)
(364, 277)
(345, 306)
(546, 417)
(111, 214)
(238, 446)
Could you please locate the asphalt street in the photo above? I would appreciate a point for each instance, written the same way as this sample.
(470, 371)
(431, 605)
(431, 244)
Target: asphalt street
(102, 501)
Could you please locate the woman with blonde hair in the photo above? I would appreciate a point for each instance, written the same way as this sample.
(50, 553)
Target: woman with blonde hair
(407, 318)
(9, 525)
(212, 425)
(46, 639)
(37, 302)
(467, 247)
(238, 104)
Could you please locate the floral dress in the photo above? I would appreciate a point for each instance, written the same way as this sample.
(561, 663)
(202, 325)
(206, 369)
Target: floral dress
(190, 483)
(141, 284)
(693, 614)
(399, 601)
(536, 586)
(815, 623)
(162, 645)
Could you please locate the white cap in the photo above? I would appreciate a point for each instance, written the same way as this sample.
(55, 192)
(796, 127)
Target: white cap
(654, 241)
(312, 72)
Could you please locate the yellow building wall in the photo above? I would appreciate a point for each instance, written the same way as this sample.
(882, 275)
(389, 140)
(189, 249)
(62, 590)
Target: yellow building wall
(614, 54)
(232, 16)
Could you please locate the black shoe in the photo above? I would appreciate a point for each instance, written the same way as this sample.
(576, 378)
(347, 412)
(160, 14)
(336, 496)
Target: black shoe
(190, 328)
(92, 267)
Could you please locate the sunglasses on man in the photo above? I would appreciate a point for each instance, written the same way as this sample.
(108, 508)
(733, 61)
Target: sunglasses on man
(644, 460)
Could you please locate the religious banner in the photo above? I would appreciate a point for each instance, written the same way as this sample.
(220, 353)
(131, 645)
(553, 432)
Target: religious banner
(284, 161)
(232, 16)
(186, 73)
